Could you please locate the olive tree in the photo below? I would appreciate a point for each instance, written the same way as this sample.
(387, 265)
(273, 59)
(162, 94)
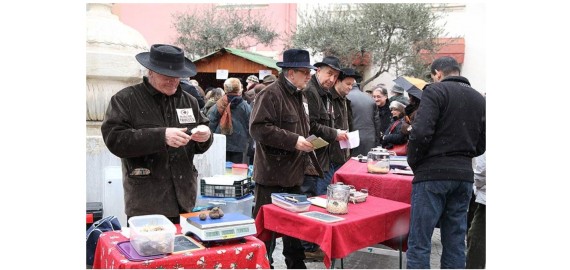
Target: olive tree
(391, 36)
(204, 31)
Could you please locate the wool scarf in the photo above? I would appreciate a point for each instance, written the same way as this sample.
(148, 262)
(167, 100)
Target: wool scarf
(224, 108)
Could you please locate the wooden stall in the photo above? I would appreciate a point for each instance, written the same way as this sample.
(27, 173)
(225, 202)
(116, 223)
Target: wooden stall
(239, 63)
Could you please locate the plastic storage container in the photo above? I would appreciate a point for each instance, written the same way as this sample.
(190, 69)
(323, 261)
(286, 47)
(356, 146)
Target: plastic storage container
(152, 234)
(240, 169)
(229, 165)
(226, 186)
(228, 205)
(279, 200)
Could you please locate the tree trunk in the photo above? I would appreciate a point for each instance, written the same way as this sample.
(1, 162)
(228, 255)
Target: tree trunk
(364, 83)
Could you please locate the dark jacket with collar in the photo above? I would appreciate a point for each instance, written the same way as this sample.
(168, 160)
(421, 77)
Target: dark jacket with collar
(448, 131)
(393, 134)
(277, 120)
(383, 119)
(342, 119)
(321, 121)
(134, 130)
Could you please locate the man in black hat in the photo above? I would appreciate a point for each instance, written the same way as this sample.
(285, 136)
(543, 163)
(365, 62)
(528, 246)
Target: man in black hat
(156, 128)
(321, 115)
(343, 118)
(279, 124)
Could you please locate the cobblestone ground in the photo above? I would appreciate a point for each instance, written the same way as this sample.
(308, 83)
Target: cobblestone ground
(362, 260)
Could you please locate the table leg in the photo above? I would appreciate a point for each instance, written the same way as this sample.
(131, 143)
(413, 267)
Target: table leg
(400, 250)
(341, 263)
(271, 249)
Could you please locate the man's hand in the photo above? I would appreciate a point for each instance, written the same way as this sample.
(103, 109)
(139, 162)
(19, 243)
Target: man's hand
(304, 145)
(201, 133)
(341, 135)
(176, 137)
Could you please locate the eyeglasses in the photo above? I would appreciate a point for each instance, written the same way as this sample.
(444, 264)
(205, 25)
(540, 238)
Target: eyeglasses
(304, 71)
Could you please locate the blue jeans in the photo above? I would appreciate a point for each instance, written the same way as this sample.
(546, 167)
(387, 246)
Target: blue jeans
(323, 183)
(432, 201)
(315, 186)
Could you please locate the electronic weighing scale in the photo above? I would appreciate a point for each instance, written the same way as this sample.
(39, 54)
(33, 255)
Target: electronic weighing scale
(230, 226)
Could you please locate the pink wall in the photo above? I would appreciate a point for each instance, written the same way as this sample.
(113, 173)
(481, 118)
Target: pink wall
(155, 21)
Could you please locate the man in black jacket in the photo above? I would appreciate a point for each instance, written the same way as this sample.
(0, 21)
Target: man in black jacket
(448, 131)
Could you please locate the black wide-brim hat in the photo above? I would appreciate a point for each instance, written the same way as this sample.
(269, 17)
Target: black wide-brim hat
(167, 60)
(295, 58)
(348, 72)
(330, 61)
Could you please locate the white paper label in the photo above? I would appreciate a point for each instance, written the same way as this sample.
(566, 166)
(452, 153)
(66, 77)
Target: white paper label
(186, 116)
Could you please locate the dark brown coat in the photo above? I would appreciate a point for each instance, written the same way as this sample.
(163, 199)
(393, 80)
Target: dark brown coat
(277, 120)
(134, 130)
(320, 119)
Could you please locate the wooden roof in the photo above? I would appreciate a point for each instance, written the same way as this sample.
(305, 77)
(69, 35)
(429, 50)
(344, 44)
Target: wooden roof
(235, 61)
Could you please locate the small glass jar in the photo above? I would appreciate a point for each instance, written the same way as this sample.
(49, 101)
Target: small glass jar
(337, 198)
(378, 161)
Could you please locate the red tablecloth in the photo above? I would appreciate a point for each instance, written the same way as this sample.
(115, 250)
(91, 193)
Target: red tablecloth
(366, 224)
(229, 255)
(389, 186)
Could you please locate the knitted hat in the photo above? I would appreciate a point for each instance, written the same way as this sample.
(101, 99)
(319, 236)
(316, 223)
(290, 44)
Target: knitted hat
(252, 78)
(398, 106)
(397, 89)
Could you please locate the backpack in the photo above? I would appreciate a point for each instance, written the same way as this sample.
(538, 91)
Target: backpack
(109, 223)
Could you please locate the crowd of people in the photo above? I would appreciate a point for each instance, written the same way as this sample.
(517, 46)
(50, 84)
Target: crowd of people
(156, 127)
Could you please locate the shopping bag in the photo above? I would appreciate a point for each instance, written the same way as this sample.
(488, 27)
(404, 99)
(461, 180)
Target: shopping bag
(109, 223)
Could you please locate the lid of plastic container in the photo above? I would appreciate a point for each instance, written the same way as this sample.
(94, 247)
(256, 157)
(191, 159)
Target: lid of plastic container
(229, 164)
(224, 180)
(240, 166)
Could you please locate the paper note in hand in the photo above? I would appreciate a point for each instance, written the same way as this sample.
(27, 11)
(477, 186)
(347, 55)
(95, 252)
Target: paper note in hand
(317, 142)
(352, 142)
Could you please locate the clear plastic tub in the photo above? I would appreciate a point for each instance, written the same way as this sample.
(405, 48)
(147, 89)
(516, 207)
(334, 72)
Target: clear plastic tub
(228, 205)
(279, 200)
(152, 234)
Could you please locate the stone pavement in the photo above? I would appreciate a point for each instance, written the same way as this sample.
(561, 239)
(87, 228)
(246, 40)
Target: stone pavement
(363, 260)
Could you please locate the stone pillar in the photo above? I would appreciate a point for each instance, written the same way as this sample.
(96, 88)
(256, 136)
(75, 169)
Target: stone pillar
(111, 47)
(111, 64)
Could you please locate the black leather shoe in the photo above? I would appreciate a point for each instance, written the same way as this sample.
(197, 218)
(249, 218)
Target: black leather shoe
(315, 256)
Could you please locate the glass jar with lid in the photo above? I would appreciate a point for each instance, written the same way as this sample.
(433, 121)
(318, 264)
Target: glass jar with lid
(337, 198)
(378, 160)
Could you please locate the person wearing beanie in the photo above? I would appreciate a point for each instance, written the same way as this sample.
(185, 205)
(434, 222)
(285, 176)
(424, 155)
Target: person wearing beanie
(398, 95)
(411, 110)
(248, 95)
(230, 117)
(393, 134)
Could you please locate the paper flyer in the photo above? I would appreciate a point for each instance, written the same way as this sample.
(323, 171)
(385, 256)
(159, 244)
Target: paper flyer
(352, 142)
(317, 142)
